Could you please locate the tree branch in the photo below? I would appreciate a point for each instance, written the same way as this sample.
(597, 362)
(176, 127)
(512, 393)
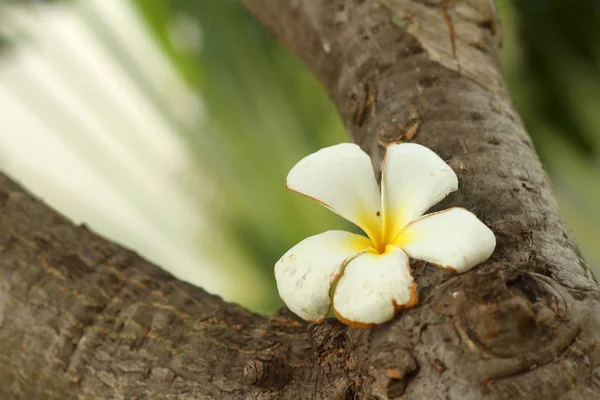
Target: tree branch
(84, 318)
(428, 71)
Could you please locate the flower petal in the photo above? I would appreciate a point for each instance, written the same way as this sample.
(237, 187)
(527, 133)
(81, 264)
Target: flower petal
(374, 287)
(453, 239)
(414, 179)
(306, 272)
(341, 178)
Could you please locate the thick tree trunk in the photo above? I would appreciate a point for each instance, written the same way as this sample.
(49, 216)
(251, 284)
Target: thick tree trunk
(83, 318)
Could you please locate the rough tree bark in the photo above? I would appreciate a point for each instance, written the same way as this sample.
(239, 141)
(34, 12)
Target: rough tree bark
(83, 318)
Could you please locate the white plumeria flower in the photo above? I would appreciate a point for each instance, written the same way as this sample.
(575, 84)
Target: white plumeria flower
(373, 275)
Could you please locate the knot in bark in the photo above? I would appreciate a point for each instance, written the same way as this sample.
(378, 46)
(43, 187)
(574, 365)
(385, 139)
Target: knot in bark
(266, 374)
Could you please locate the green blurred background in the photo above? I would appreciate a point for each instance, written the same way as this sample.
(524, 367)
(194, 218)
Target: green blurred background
(170, 125)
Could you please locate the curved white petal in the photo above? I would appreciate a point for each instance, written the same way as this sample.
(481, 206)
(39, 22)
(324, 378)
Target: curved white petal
(306, 272)
(374, 287)
(414, 179)
(453, 239)
(341, 178)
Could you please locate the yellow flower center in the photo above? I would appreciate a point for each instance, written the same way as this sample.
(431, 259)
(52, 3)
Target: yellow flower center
(384, 231)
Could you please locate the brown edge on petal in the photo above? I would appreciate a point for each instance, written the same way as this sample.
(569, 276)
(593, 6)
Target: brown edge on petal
(343, 269)
(336, 278)
(286, 187)
(351, 323)
(444, 267)
(440, 212)
(414, 294)
(448, 267)
(319, 321)
(331, 283)
(412, 302)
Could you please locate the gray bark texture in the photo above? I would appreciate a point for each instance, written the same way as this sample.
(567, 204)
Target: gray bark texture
(82, 318)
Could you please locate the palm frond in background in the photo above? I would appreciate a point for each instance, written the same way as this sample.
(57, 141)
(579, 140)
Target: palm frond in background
(266, 112)
(81, 129)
